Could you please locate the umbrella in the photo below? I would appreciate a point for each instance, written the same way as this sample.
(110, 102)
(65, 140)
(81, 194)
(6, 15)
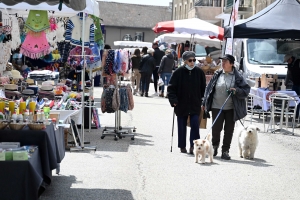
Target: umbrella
(182, 38)
(133, 44)
(190, 26)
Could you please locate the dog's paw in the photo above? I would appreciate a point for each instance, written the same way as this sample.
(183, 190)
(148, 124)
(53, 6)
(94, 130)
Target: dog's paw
(202, 162)
(241, 156)
(251, 158)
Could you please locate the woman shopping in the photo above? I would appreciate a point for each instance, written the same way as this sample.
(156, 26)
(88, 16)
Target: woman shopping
(165, 70)
(185, 92)
(225, 81)
(136, 76)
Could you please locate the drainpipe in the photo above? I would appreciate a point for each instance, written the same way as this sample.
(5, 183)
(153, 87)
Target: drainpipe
(172, 9)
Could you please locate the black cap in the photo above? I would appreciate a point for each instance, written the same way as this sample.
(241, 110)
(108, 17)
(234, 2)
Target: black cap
(228, 57)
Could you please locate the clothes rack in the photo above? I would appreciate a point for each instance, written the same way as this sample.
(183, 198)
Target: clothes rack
(118, 131)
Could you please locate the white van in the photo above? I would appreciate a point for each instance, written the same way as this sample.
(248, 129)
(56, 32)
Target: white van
(259, 56)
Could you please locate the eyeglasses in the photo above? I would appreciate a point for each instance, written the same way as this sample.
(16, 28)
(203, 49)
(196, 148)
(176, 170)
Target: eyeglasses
(192, 60)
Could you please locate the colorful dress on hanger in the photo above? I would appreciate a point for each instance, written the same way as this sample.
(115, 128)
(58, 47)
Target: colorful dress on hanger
(75, 57)
(74, 31)
(35, 47)
(15, 33)
(37, 20)
(98, 30)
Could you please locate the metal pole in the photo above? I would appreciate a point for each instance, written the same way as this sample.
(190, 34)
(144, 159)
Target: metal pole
(83, 78)
(90, 105)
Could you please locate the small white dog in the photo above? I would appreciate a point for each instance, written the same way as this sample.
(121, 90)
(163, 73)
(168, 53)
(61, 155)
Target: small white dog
(203, 147)
(248, 141)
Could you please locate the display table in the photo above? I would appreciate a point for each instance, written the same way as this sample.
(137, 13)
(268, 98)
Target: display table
(65, 115)
(265, 95)
(51, 147)
(22, 179)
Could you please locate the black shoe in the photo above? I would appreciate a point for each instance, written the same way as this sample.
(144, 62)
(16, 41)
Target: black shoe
(225, 155)
(146, 94)
(216, 150)
(183, 150)
(191, 150)
(142, 94)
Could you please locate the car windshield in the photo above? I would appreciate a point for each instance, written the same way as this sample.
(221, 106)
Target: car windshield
(200, 51)
(264, 52)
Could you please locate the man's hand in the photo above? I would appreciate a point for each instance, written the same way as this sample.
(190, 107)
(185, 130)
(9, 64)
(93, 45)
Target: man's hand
(174, 104)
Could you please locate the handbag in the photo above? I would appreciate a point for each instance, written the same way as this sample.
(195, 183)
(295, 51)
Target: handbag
(160, 82)
(202, 122)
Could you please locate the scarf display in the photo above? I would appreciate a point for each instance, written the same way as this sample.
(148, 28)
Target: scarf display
(35, 47)
(37, 20)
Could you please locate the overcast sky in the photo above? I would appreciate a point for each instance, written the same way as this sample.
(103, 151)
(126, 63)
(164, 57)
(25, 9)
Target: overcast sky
(146, 2)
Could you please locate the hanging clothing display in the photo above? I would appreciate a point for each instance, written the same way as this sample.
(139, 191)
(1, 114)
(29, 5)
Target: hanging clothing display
(15, 33)
(123, 99)
(117, 62)
(74, 30)
(75, 56)
(64, 49)
(96, 59)
(98, 30)
(5, 53)
(37, 20)
(109, 99)
(109, 62)
(130, 97)
(60, 31)
(35, 47)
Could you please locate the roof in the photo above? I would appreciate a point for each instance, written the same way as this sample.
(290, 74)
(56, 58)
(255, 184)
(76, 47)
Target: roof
(133, 15)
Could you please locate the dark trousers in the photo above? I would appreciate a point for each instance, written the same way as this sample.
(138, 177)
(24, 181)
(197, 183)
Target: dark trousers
(296, 88)
(145, 80)
(194, 134)
(155, 78)
(227, 117)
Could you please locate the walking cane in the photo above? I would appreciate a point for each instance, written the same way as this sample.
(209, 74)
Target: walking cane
(172, 129)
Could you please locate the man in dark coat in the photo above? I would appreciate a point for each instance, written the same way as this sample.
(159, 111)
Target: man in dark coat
(185, 92)
(146, 69)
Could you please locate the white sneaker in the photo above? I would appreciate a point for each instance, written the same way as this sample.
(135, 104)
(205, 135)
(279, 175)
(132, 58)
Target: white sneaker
(155, 94)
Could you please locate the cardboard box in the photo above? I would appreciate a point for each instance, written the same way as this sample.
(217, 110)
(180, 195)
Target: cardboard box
(20, 155)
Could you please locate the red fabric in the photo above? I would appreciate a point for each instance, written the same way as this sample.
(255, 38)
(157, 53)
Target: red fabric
(167, 26)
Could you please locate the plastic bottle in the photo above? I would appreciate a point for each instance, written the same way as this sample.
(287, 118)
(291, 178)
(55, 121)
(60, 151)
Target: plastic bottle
(14, 117)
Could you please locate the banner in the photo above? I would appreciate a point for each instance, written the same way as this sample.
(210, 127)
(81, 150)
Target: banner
(233, 18)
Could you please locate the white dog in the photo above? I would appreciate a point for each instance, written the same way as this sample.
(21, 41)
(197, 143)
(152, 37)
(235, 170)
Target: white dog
(248, 141)
(203, 147)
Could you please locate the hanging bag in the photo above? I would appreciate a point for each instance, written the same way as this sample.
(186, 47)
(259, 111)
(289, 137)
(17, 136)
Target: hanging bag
(160, 82)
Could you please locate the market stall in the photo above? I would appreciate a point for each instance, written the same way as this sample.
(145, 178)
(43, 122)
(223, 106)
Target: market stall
(26, 107)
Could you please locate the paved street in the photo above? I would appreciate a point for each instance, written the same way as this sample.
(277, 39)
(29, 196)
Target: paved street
(145, 169)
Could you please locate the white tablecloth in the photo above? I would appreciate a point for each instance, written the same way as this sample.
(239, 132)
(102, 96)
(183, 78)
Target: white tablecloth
(76, 115)
(265, 94)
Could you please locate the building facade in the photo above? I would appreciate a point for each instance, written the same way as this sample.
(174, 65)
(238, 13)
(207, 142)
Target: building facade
(124, 21)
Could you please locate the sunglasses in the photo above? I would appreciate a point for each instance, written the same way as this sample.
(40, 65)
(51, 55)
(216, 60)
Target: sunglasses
(192, 60)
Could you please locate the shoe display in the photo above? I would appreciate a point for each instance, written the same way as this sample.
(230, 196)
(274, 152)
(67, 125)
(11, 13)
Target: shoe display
(216, 150)
(183, 150)
(225, 155)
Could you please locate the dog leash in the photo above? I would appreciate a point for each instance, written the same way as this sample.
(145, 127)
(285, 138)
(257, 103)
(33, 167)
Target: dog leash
(219, 113)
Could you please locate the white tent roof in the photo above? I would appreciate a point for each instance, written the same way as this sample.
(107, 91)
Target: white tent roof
(92, 7)
(182, 38)
(133, 44)
(77, 5)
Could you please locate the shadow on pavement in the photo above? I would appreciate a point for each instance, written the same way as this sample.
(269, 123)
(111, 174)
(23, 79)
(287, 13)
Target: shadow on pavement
(61, 189)
(256, 162)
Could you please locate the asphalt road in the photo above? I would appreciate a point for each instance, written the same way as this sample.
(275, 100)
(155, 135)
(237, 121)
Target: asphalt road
(145, 169)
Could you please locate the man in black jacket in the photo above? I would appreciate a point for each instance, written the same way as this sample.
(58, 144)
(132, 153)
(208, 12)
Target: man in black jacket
(146, 69)
(185, 92)
(293, 72)
(158, 55)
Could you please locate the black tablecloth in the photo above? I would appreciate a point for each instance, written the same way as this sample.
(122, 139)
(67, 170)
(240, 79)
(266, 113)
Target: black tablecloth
(60, 144)
(46, 140)
(21, 179)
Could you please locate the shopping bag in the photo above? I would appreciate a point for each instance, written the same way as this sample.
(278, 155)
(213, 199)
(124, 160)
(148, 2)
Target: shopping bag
(160, 82)
(202, 122)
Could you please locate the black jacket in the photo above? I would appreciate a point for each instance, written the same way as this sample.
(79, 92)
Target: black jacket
(147, 64)
(136, 61)
(186, 90)
(167, 64)
(239, 99)
(294, 72)
(158, 54)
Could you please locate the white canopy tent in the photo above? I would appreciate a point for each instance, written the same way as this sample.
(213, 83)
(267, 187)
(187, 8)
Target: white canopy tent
(182, 38)
(77, 5)
(133, 44)
(92, 7)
